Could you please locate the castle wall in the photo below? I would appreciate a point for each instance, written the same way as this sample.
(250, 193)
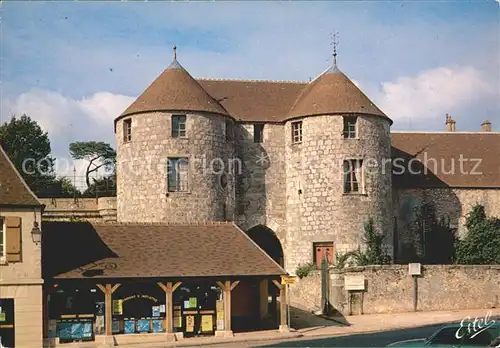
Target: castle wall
(261, 198)
(317, 208)
(142, 170)
(450, 203)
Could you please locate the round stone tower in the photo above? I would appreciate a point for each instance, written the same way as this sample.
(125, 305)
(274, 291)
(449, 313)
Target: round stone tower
(174, 151)
(338, 175)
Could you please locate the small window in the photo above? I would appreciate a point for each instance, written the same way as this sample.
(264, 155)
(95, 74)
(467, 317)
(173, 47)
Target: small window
(178, 126)
(178, 174)
(296, 132)
(229, 131)
(127, 130)
(2, 241)
(323, 250)
(350, 127)
(353, 176)
(258, 132)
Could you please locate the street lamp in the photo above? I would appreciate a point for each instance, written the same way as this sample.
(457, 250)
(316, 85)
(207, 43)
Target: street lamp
(36, 233)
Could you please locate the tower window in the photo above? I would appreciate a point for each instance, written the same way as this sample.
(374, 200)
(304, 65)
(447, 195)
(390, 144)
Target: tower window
(350, 127)
(353, 176)
(258, 132)
(127, 130)
(296, 132)
(178, 126)
(178, 174)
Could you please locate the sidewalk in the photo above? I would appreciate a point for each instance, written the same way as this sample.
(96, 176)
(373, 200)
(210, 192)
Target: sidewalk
(359, 324)
(369, 323)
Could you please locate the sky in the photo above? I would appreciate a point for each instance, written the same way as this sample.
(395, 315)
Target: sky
(75, 66)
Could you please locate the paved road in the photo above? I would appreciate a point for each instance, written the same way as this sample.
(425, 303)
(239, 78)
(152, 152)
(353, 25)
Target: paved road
(380, 339)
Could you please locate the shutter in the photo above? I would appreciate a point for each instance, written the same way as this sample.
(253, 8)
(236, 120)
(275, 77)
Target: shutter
(13, 238)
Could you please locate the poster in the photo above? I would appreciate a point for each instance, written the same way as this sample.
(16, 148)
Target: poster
(129, 326)
(207, 323)
(99, 325)
(193, 303)
(115, 326)
(117, 307)
(156, 311)
(2, 317)
(99, 308)
(220, 314)
(186, 304)
(158, 325)
(162, 308)
(177, 319)
(143, 325)
(189, 323)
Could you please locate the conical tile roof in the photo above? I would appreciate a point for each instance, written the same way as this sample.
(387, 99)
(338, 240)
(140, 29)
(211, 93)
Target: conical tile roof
(333, 93)
(175, 89)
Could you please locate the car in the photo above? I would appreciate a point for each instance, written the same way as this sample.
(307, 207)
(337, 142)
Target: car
(446, 336)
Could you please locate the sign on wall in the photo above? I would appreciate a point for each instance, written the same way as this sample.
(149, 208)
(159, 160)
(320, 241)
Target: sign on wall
(354, 282)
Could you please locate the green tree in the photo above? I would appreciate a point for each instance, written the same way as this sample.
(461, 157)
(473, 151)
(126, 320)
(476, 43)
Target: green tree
(481, 245)
(28, 147)
(98, 155)
(375, 252)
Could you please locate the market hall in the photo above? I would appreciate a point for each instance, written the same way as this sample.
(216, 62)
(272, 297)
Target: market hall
(130, 282)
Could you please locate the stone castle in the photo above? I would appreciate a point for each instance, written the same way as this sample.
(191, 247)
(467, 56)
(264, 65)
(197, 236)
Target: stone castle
(300, 167)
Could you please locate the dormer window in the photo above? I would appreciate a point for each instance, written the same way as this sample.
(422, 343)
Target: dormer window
(350, 129)
(127, 130)
(178, 126)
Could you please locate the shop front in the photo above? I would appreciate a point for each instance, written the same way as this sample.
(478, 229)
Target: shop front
(119, 297)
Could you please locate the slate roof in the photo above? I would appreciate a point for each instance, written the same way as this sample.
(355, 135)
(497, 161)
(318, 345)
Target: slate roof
(175, 89)
(13, 188)
(446, 148)
(83, 250)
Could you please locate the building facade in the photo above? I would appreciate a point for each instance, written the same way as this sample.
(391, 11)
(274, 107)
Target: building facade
(308, 163)
(20, 261)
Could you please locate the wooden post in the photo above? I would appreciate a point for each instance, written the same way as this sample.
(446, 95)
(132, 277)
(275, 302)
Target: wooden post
(264, 296)
(227, 287)
(169, 289)
(108, 291)
(283, 306)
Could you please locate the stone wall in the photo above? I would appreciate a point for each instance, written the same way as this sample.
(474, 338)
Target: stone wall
(94, 210)
(389, 289)
(318, 210)
(450, 203)
(142, 169)
(261, 198)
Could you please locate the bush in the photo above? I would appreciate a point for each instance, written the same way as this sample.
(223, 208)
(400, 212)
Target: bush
(304, 270)
(481, 245)
(375, 252)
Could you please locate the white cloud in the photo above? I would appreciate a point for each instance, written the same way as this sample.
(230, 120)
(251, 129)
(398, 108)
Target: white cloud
(433, 93)
(67, 120)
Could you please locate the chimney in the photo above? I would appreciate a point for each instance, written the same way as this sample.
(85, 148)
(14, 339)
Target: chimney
(450, 124)
(486, 126)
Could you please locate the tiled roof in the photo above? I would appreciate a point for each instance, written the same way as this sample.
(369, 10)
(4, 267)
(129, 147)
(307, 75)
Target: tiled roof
(253, 101)
(174, 89)
(333, 93)
(481, 149)
(81, 250)
(13, 189)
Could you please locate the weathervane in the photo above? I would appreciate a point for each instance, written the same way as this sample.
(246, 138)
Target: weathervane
(175, 52)
(334, 43)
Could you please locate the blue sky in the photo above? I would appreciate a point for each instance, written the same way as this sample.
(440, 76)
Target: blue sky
(74, 66)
